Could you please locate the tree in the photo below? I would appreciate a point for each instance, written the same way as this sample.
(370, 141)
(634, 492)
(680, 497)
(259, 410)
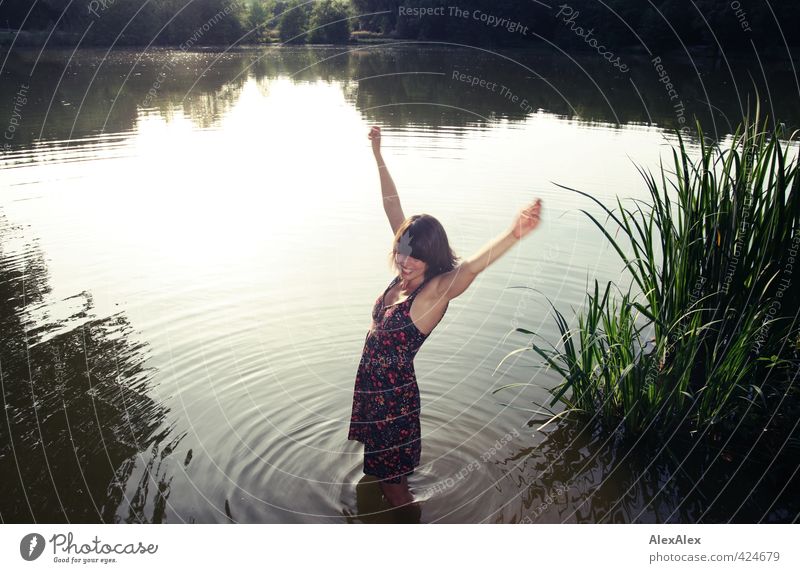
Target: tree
(330, 22)
(382, 14)
(294, 24)
(258, 17)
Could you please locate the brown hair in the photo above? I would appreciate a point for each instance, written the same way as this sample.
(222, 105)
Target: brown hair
(424, 238)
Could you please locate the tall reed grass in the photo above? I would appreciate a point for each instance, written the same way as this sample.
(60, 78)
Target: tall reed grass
(706, 331)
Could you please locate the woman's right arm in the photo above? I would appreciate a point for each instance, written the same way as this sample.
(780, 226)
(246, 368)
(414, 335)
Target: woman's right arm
(391, 200)
(452, 283)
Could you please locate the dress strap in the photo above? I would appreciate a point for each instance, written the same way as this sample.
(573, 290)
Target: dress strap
(416, 290)
(409, 297)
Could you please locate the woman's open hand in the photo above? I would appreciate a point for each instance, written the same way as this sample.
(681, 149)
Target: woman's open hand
(527, 220)
(375, 137)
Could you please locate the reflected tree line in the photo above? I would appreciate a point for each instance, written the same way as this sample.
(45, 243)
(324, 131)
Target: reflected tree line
(578, 474)
(401, 85)
(81, 440)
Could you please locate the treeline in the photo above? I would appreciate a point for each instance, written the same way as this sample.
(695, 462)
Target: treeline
(615, 24)
(301, 21)
(618, 23)
(175, 22)
(128, 22)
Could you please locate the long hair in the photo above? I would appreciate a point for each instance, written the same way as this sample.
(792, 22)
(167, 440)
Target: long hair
(424, 238)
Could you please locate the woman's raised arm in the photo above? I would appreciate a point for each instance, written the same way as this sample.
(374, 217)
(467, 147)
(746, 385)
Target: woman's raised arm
(453, 283)
(391, 200)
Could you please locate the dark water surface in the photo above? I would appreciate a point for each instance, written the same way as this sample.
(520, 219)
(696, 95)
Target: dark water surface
(191, 244)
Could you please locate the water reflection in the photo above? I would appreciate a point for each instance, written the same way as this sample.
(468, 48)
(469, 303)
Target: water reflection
(71, 97)
(78, 417)
(372, 507)
(575, 476)
(197, 212)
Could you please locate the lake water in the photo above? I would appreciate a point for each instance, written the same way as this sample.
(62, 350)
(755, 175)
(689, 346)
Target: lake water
(191, 244)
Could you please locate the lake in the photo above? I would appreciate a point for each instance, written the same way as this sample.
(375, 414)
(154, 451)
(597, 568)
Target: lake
(191, 244)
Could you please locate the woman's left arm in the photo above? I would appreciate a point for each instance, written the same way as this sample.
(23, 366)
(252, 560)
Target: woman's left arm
(451, 284)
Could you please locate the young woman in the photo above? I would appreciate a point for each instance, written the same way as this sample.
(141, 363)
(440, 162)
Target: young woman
(385, 415)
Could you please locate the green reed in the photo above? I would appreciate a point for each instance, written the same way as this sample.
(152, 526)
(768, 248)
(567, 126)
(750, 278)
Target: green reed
(707, 329)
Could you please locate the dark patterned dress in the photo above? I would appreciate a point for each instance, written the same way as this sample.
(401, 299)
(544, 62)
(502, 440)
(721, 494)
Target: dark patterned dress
(385, 416)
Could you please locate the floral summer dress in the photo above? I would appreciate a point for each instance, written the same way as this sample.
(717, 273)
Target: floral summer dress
(385, 416)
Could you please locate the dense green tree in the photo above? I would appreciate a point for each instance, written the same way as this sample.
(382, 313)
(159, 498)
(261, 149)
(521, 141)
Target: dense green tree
(330, 22)
(376, 15)
(294, 23)
(132, 22)
(259, 18)
(660, 25)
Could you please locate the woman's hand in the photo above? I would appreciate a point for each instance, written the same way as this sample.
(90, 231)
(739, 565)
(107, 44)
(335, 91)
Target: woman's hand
(527, 220)
(375, 137)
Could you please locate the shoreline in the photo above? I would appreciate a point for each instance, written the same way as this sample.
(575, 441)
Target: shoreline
(68, 40)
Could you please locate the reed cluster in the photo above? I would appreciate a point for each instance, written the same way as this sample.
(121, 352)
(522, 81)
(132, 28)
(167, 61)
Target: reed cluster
(706, 331)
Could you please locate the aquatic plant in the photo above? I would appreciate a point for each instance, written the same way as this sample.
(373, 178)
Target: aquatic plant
(707, 331)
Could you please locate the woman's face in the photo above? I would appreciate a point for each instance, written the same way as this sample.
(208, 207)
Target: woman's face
(409, 267)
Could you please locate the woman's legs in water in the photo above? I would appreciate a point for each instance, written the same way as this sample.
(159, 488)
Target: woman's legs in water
(397, 494)
(378, 460)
